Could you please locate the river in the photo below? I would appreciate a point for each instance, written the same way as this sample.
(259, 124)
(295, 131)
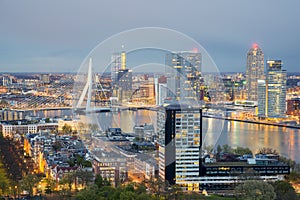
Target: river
(215, 131)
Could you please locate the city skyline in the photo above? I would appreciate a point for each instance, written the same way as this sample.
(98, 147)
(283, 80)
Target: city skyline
(56, 37)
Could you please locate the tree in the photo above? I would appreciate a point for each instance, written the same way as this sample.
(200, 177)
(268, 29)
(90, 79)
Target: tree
(227, 148)
(288, 161)
(50, 186)
(68, 179)
(4, 181)
(66, 129)
(29, 182)
(267, 150)
(284, 191)
(89, 193)
(255, 189)
(87, 163)
(157, 186)
(208, 148)
(293, 176)
(242, 151)
(127, 195)
(3, 186)
(141, 188)
(100, 182)
(85, 177)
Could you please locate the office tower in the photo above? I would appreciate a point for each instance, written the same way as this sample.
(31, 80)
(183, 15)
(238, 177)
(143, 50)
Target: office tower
(261, 102)
(272, 91)
(180, 140)
(121, 78)
(254, 71)
(124, 85)
(276, 89)
(118, 62)
(184, 76)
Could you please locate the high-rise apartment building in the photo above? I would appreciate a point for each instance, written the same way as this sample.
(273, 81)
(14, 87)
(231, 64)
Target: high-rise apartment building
(184, 75)
(254, 71)
(180, 139)
(273, 102)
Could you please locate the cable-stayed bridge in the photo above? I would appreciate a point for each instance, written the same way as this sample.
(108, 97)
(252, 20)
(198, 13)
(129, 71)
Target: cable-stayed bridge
(86, 94)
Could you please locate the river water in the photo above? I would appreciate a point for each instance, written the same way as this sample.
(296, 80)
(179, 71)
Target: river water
(215, 131)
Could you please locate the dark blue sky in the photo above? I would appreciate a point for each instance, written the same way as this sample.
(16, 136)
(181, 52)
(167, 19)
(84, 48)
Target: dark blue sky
(57, 35)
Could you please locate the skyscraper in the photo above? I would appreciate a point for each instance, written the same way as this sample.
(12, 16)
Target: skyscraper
(121, 78)
(118, 62)
(276, 85)
(180, 140)
(262, 98)
(124, 84)
(184, 75)
(254, 71)
(273, 103)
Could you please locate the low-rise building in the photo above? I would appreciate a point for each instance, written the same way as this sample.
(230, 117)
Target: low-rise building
(110, 166)
(146, 165)
(225, 175)
(9, 130)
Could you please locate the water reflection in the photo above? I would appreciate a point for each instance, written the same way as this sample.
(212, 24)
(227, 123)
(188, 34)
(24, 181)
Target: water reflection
(215, 131)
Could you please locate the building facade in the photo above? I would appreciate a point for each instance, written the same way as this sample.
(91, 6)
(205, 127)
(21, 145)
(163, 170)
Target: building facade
(276, 89)
(254, 71)
(262, 98)
(184, 78)
(121, 78)
(179, 138)
(118, 62)
(293, 106)
(272, 91)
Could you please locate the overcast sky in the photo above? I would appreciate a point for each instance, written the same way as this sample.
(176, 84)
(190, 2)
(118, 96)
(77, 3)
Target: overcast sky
(57, 35)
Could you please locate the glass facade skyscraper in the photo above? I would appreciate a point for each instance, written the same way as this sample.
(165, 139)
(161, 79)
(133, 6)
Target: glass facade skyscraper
(276, 89)
(121, 78)
(184, 78)
(254, 71)
(272, 91)
(118, 62)
(261, 101)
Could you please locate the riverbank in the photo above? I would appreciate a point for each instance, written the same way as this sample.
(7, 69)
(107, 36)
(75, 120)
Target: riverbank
(252, 121)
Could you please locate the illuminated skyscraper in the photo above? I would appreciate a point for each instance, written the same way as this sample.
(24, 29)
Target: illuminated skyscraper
(276, 85)
(273, 102)
(184, 76)
(179, 129)
(118, 61)
(254, 71)
(124, 84)
(262, 98)
(121, 78)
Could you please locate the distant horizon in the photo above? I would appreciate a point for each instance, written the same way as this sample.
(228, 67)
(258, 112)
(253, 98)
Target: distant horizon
(133, 72)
